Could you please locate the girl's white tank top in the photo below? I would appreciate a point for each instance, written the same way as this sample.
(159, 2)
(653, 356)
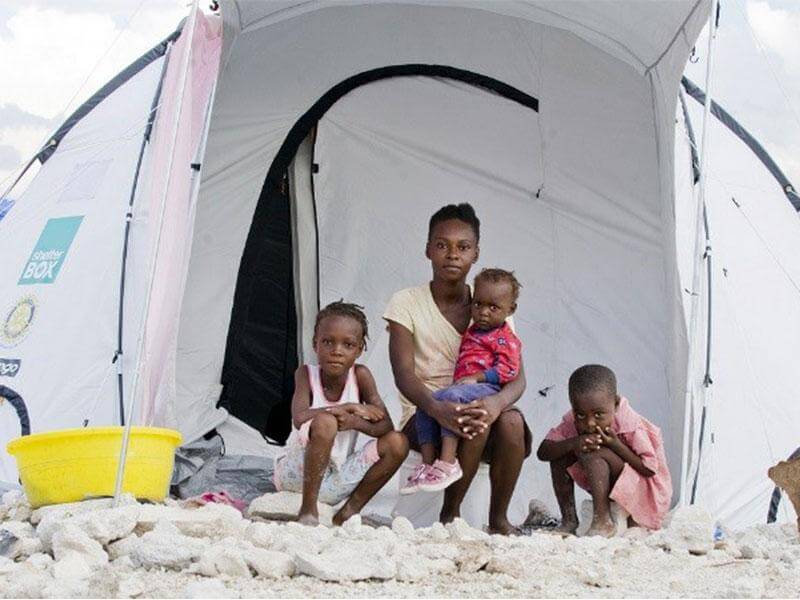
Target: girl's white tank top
(345, 442)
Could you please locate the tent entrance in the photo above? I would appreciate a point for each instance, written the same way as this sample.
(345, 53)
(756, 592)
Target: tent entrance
(346, 216)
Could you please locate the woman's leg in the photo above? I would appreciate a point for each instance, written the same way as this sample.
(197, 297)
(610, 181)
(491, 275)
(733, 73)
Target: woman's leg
(508, 454)
(564, 488)
(321, 435)
(392, 451)
(602, 468)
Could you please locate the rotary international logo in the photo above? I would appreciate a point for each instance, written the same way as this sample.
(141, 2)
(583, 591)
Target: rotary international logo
(17, 322)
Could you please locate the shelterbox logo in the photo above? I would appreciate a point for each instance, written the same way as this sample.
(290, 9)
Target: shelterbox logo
(50, 251)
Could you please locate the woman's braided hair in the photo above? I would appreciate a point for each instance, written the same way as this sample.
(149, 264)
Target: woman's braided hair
(340, 308)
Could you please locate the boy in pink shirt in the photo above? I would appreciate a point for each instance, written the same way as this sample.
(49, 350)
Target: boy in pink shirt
(609, 450)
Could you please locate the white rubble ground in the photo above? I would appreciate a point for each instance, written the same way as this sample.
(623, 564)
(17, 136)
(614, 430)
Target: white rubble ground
(91, 549)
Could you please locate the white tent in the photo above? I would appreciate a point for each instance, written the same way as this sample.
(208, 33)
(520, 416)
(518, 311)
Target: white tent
(297, 151)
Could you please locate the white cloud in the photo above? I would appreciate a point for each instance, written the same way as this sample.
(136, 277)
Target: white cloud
(48, 53)
(777, 30)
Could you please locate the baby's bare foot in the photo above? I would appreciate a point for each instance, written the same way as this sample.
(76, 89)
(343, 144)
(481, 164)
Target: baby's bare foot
(308, 519)
(602, 528)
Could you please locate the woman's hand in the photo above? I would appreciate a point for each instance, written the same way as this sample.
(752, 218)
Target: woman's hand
(448, 415)
(479, 415)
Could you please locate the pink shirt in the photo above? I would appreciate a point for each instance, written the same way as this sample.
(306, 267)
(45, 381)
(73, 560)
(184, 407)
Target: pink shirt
(495, 353)
(647, 499)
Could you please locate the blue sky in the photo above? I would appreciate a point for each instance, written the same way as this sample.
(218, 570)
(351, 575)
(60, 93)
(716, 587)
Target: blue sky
(57, 52)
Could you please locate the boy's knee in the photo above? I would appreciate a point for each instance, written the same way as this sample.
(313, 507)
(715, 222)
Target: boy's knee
(592, 460)
(395, 445)
(323, 426)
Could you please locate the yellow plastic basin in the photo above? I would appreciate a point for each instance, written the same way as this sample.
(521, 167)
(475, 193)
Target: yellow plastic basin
(70, 465)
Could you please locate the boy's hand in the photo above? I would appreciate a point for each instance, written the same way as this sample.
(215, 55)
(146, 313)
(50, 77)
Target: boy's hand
(347, 420)
(588, 442)
(608, 438)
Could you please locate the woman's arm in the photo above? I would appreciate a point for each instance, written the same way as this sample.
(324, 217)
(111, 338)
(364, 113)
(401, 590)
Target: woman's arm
(401, 355)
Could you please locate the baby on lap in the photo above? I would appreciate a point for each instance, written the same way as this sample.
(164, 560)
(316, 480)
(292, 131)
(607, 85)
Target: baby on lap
(488, 358)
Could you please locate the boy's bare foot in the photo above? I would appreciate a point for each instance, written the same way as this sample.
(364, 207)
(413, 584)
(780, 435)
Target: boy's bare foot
(308, 518)
(604, 528)
(568, 526)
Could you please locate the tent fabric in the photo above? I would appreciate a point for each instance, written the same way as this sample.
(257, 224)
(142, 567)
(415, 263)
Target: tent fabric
(744, 135)
(754, 325)
(171, 195)
(154, 53)
(567, 74)
(72, 218)
(589, 198)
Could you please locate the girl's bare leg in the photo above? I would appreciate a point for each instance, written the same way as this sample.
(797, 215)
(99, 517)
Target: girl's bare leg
(321, 435)
(602, 468)
(392, 450)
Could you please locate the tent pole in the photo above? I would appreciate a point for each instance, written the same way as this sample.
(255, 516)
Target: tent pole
(699, 256)
(141, 360)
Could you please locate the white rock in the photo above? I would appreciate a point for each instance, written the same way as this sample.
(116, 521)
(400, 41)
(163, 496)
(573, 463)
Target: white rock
(7, 565)
(748, 586)
(690, 528)
(71, 509)
(284, 506)
(353, 561)
(460, 530)
(165, 547)
(72, 566)
(211, 520)
(437, 550)
(598, 575)
(438, 532)
(20, 529)
(353, 525)
(40, 561)
(69, 540)
(270, 564)
(123, 563)
(206, 588)
(123, 547)
(618, 514)
(261, 534)
(15, 506)
(10, 545)
(223, 559)
(472, 556)
(131, 586)
(403, 527)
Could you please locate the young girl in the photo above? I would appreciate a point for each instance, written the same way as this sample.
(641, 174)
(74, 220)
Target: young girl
(489, 357)
(608, 449)
(332, 403)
